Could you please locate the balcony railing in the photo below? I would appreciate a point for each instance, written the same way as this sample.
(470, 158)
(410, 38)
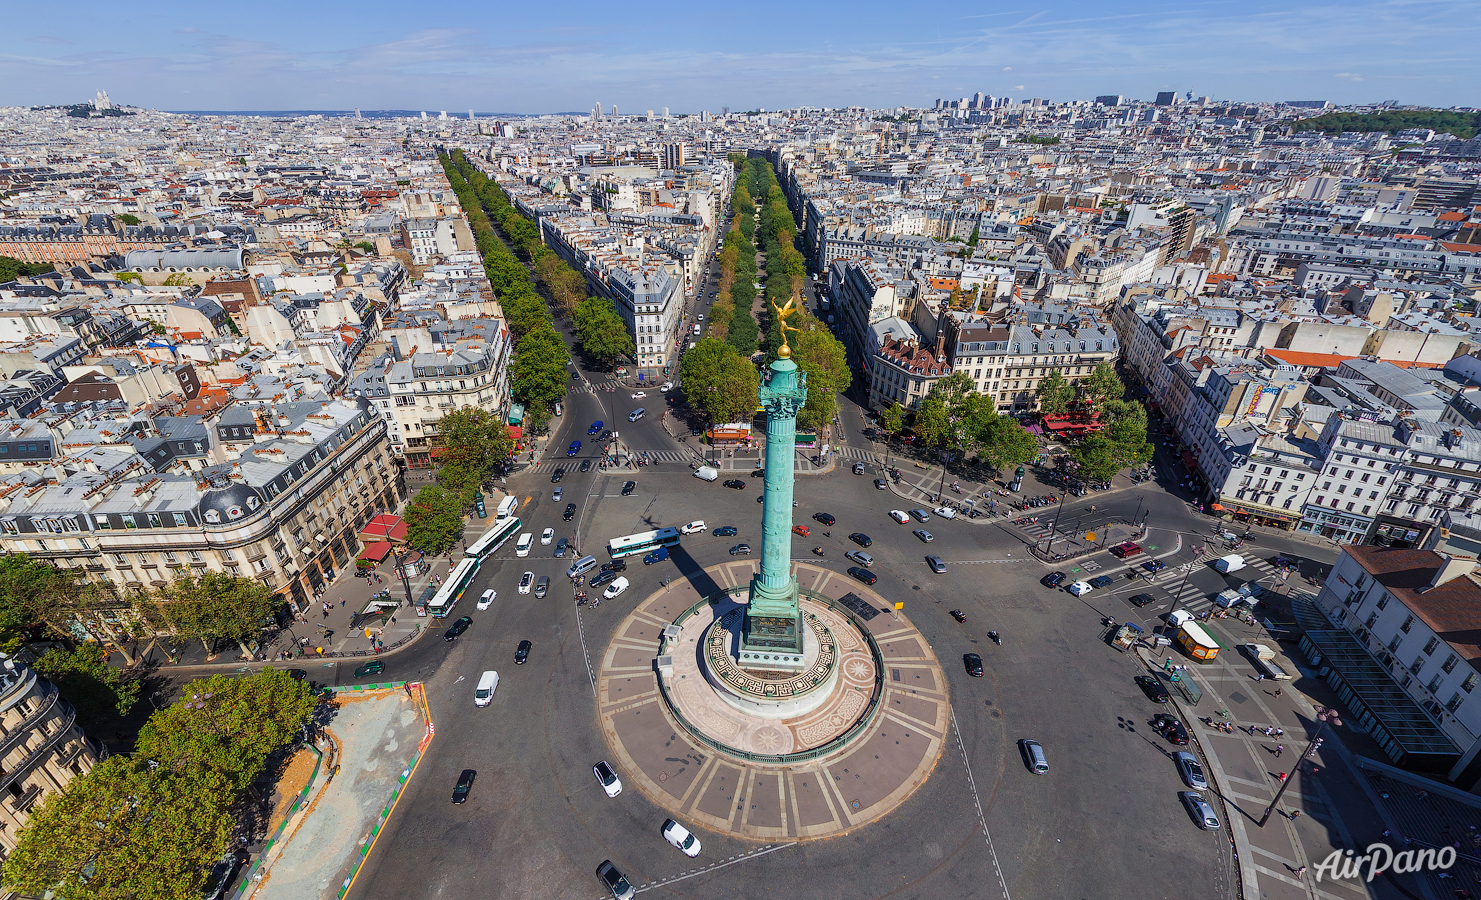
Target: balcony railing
(64, 728)
(48, 699)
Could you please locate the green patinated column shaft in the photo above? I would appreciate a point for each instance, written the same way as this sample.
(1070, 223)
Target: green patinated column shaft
(773, 618)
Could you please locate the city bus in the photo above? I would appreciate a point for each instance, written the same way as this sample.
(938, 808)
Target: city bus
(452, 589)
(642, 542)
(493, 539)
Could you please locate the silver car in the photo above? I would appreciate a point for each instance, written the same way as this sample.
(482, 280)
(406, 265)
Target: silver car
(1203, 814)
(1190, 771)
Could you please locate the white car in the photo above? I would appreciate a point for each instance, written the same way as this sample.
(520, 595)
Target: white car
(680, 837)
(700, 317)
(667, 386)
(638, 395)
(615, 588)
(899, 516)
(946, 512)
(526, 541)
(487, 599)
(526, 582)
(693, 527)
(607, 778)
(547, 535)
(1079, 587)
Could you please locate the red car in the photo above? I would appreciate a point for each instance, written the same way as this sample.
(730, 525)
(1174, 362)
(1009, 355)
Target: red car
(1122, 551)
(802, 530)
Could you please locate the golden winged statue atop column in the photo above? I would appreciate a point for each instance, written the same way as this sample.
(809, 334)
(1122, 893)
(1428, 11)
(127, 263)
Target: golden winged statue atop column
(779, 314)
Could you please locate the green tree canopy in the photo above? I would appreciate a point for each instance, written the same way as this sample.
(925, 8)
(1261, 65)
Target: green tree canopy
(818, 353)
(1000, 441)
(216, 605)
(84, 677)
(719, 381)
(434, 520)
(469, 443)
(892, 418)
(538, 374)
(601, 332)
(1102, 386)
(12, 268)
(1055, 393)
(932, 424)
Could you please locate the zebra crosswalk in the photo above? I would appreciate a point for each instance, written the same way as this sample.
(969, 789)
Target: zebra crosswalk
(661, 456)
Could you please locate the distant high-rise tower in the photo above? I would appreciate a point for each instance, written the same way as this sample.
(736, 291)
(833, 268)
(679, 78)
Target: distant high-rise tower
(596, 112)
(1189, 96)
(977, 100)
(673, 155)
(1166, 98)
(650, 115)
(614, 111)
(470, 115)
(442, 117)
(424, 115)
(665, 112)
(357, 112)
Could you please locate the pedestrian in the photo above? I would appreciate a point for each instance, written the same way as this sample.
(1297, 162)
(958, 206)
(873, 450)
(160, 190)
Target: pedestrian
(1282, 777)
(1301, 871)
(1277, 692)
(1260, 676)
(1294, 814)
(1279, 748)
(341, 603)
(326, 613)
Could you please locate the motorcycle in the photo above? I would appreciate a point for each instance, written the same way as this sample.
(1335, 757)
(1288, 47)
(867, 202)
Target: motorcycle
(959, 615)
(995, 638)
(818, 551)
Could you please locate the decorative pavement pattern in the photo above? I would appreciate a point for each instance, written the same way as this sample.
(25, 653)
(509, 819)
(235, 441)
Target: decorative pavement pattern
(869, 777)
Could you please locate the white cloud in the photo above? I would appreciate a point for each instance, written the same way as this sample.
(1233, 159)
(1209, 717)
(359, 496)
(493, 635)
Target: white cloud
(1017, 87)
(1007, 68)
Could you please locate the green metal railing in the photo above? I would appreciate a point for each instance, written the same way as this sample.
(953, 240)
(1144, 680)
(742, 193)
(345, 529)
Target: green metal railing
(802, 755)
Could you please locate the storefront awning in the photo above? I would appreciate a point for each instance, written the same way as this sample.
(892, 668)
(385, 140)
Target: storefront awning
(1217, 507)
(384, 527)
(515, 431)
(377, 551)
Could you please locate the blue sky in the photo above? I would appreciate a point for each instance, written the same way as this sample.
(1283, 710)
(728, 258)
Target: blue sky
(545, 57)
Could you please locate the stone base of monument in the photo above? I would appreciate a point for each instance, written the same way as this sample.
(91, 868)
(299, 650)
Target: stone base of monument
(781, 693)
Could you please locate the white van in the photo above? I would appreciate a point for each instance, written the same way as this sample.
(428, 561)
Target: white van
(708, 473)
(1177, 617)
(488, 682)
(581, 566)
(526, 540)
(506, 507)
(636, 414)
(1231, 563)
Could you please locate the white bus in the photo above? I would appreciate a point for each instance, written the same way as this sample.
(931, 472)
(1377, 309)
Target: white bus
(642, 542)
(452, 589)
(493, 539)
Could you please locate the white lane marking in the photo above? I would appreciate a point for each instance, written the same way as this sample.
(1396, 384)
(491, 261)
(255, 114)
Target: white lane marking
(981, 817)
(585, 656)
(729, 862)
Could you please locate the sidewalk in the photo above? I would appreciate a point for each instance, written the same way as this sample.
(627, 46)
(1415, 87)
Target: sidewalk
(1329, 804)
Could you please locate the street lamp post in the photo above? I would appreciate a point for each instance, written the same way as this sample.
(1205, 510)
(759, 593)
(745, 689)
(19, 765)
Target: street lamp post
(1054, 529)
(1322, 719)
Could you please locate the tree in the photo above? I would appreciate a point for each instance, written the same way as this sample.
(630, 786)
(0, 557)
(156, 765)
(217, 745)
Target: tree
(1000, 441)
(818, 353)
(88, 682)
(932, 425)
(434, 520)
(601, 332)
(227, 726)
(1055, 394)
(37, 595)
(123, 831)
(127, 218)
(538, 374)
(1102, 385)
(719, 381)
(469, 442)
(893, 418)
(1097, 458)
(216, 605)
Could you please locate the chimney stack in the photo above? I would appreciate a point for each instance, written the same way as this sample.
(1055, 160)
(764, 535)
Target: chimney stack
(1452, 568)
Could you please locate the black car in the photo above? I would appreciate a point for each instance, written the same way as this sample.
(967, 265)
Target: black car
(561, 546)
(1053, 579)
(1101, 581)
(616, 565)
(603, 577)
(606, 433)
(1171, 729)
(615, 881)
(863, 575)
(758, 473)
(464, 785)
(586, 465)
(862, 539)
(456, 629)
(1153, 688)
(1140, 600)
(973, 663)
(522, 652)
(725, 531)
(825, 518)
(557, 475)
(627, 487)
(735, 484)
(570, 512)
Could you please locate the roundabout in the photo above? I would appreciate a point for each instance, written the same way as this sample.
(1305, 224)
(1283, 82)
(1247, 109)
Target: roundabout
(783, 755)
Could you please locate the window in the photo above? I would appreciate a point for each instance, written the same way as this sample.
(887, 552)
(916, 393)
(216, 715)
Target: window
(1470, 683)
(1449, 665)
(1408, 624)
(1430, 645)
(1418, 664)
(1454, 702)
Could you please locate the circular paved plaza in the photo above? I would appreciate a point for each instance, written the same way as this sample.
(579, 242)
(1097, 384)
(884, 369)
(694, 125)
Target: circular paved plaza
(822, 772)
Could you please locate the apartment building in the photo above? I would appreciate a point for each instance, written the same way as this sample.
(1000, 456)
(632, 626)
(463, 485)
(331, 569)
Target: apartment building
(302, 478)
(43, 747)
(413, 394)
(1009, 361)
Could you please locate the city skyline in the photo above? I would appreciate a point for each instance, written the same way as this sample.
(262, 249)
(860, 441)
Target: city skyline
(196, 58)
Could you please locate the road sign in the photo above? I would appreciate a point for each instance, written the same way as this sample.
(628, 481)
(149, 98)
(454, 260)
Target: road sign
(899, 606)
(1090, 536)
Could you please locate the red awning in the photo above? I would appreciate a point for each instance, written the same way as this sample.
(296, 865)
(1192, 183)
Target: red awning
(1219, 507)
(1189, 461)
(515, 431)
(384, 527)
(376, 552)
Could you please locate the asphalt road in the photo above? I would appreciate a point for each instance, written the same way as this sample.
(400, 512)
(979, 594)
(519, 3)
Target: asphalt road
(1105, 822)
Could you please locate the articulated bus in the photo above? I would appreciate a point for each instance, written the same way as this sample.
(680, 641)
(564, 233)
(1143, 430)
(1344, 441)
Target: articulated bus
(493, 539)
(452, 589)
(643, 542)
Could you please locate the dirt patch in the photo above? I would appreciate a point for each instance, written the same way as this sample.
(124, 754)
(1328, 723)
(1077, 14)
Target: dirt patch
(295, 777)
